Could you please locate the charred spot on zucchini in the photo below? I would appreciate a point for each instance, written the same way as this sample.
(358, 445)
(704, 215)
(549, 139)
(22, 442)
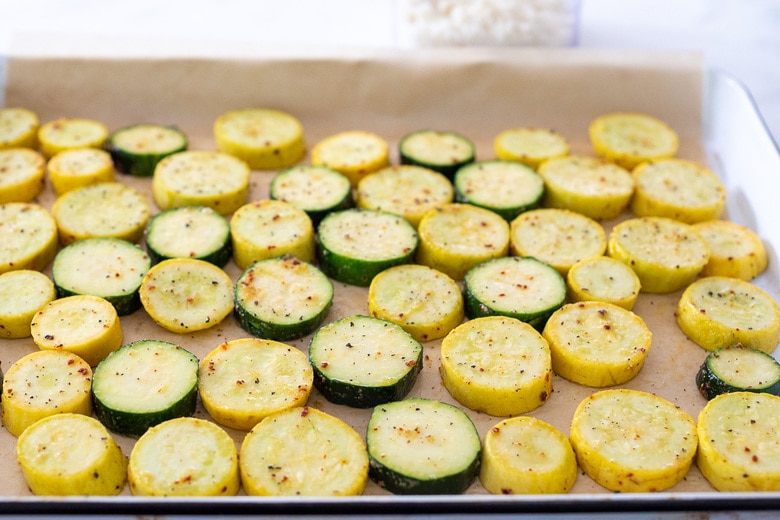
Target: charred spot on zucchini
(143, 384)
(137, 149)
(282, 298)
(737, 368)
(362, 361)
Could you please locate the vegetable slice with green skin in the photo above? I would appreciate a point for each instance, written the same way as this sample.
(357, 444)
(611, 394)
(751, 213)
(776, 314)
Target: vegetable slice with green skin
(737, 368)
(504, 187)
(444, 152)
(362, 361)
(137, 149)
(518, 287)
(143, 384)
(282, 298)
(111, 268)
(355, 245)
(189, 232)
(317, 190)
(421, 446)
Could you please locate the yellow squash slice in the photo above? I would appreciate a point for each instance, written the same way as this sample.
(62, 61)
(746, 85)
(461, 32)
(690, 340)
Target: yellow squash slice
(630, 138)
(18, 128)
(73, 169)
(604, 279)
(69, 133)
(735, 250)
(531, 146)
(354, 153)
(21, 174)
(22, 294)
(28, 237)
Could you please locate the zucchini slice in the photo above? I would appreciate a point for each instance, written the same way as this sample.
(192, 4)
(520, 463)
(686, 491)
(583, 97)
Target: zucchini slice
(524, 455)
(186, 295)
(28, 237)
(678, 189)
(633, 441)
(185, 456)
(106, 209)
(426, 303)
(18, 128)
(717, 311)
(22, 174)
(265, 229)
(355, 153)
(737, 368)
(282, 298)
(69, 133)
(406, 190)
(71, 454)
(303, 452)
(631, 138)
(355, 245)
(137, 149)
(593, 187)
(504, 187)
(597, 344)
(85, 325)
(497, 365)
(107, 267)
(665, 254)
(735, 250)
(738, 445)
(361, 361)
(73, 169)
(559, 237)
(315, 189)
(144, 383)
(456, 237)
(422, 447)
(443, 152)
(518, 287)
(603, 279)
(201, 178)
(530, 146)
(22, 294)
(197, 232)
(44, 383)
(245, 380)
(265, 139)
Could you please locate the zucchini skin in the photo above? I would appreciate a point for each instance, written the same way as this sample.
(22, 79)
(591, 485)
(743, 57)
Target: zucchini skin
(140, 164)
(135, 425)
(710, 385)
(446, 169)
(400, 484)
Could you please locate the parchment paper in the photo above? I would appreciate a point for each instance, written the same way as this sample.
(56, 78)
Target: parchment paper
(478, 92)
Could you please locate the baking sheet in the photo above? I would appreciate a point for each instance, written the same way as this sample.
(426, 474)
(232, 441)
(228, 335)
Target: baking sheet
(477, 92)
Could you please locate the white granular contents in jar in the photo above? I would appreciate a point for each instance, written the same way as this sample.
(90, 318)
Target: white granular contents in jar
(492, 22)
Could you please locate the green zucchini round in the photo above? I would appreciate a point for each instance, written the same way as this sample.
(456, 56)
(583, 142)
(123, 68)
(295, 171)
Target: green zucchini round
(443, 152)
(197, 232)
(361, 361)
(137, 149)
(504, 187)
(520, 287)
(143, 384)
(282, 298)
(317, 190)
(737, 368)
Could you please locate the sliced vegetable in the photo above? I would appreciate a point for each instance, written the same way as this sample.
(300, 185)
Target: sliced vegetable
(197, 232)
(631, 138)
(603, 279)
(530, 146)
(361, 361)
(735, 250)
(144, 383)
(354, 153)
(28, 237)
(443, 152)
(21, 174)
(282, 298)
(737, 368)
(18, 128)
(504, 187)
(137, 149)
(73, 169)
(69, 133)
(422, 447)
(317, 190)
(22, 294)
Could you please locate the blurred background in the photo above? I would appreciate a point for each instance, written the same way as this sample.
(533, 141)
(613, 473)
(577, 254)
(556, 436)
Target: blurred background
(741, 37)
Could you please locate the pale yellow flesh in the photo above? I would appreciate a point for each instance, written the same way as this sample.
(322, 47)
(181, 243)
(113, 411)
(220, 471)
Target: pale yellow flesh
(524, 455)
(22, 294)
(629, 138)
(243, 381)
(147, 139)
(558, 237)
(45, 383)
(106, 209)
(303, 452)
(497, 365)
(633, 441)
(531, 146)
(21, 175)
(353, 153)
(73, 169)
(71, 454)
(597, 344)
(604, 279)
(18, 128)
(187, 295)
(499, 184)
(437, 148)
(739, 449)
(29, 237)
(735, 250)
(190, 231)
(311, 188)
(66, 134)
(350, 233)
(184, 457)
(408, 191)
(425, 302)
(718, 311)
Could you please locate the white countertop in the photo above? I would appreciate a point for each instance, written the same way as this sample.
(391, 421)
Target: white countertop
(737, 36)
